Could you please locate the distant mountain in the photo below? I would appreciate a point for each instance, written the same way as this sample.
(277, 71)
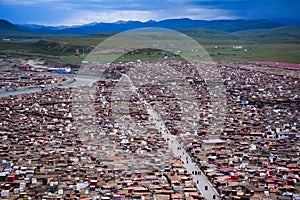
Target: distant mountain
(209, 34)
(244, 30)
(8, 28)
(175, 24)
(287, 21)
(221, 25)
(41, 29)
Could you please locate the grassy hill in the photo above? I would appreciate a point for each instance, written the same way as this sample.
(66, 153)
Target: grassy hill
(42, 48)
(284, 34)
(209, 34)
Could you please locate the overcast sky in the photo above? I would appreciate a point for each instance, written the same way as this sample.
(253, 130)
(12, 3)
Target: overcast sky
(76, 12)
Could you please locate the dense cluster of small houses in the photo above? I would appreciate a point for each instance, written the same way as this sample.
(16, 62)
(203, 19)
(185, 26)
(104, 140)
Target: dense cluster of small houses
(15, 75)
(11, 81)
(100, 142)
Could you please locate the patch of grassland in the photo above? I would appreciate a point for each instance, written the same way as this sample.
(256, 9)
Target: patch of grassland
(255, 52)
(80, 41)
(63, 50)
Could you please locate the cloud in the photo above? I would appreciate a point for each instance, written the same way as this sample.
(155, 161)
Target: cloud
(207, 14)
(80, 17)
(69, 12)
(85, 17)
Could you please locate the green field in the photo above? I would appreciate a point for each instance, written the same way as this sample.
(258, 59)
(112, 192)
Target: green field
(220, 48)
(256, 52)
(80, 41)
(220, 51)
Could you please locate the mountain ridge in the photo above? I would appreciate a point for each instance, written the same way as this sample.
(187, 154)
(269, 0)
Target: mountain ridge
(7, 27)
(175, 24)
(243, 30)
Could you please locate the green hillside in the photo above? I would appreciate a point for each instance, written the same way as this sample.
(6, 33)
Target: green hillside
(290, 34)
(40, 48)
(208, 34)
(285, 34)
